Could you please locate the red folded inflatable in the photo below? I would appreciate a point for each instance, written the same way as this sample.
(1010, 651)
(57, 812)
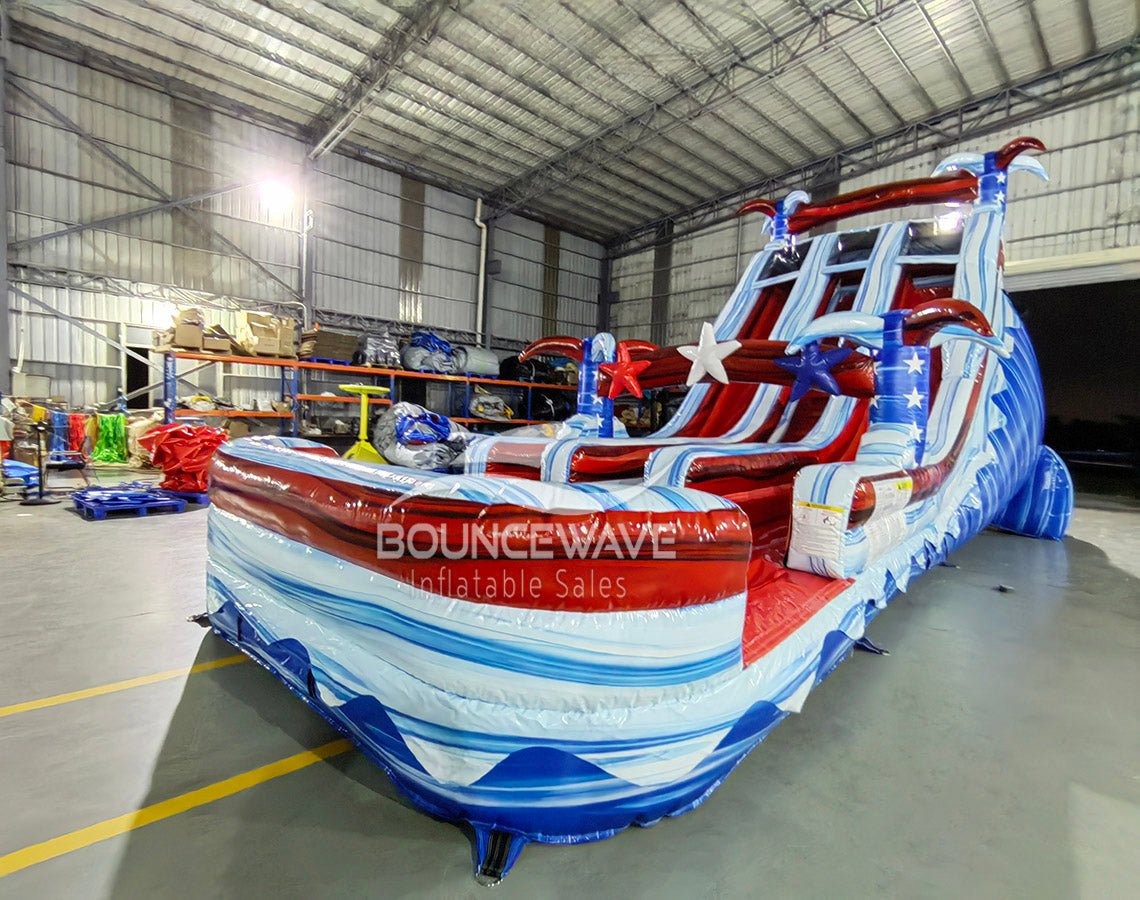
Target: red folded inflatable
(183, 452)
(77, 433)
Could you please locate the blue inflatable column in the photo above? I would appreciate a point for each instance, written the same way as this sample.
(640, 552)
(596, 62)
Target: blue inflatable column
(902, 391)
(601, 348)
(1043, 505)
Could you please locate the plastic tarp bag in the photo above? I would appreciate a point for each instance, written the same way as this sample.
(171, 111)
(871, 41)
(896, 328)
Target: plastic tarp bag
(476, 361)
(406, 434)
(534, 371)
(427, 352)
(183, 452)
(379, 349)
(490, 406)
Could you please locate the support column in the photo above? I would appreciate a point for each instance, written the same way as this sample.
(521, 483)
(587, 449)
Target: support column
(494, 266)
(411, 250)
(662, 281)
(551, 265)
(305, 276)
(5, 299)
(606, 295)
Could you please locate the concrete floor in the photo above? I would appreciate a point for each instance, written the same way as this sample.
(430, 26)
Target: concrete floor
(995, 752)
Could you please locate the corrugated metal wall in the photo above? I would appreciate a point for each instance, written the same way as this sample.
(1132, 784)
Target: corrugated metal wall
(517, 290)
(138, 271)
(1090, 206)
(1092, 200)
(704, 271)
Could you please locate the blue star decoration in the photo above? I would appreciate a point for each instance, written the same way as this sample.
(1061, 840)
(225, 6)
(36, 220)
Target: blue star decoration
(812, 368)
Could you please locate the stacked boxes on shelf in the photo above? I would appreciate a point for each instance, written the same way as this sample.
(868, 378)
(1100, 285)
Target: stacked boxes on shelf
(265, 335)
(324, 343)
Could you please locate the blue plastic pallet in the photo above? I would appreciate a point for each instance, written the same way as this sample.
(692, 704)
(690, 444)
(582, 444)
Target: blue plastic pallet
(201, 498)
(98, 503)
(327, 361)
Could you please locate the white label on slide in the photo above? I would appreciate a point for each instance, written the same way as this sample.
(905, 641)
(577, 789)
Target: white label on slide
(817, 530)
(891, 495)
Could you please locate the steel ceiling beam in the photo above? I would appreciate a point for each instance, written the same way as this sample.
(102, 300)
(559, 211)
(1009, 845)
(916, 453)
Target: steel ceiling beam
(1088, 30)
(859, 123)
(337, 119)
(151, 38)
(116, 63)
(198, 22)
(1038, 33)
(710, 86)
(478, 159)
(874, 88)
(1080, 82)
(893, 51)
(725, 43)
(749, 137)
(433, 52)
(116, 160)
(64, 48)
(108, 221)
(551, 64)
(955, 70)
(995, 53)
(691, 100)
(433, 56)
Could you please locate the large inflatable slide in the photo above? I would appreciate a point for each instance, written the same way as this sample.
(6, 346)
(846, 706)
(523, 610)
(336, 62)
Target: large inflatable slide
(585, 632)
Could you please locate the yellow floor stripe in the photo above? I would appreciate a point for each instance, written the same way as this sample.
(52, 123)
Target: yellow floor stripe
(93, 834)
(114, 686)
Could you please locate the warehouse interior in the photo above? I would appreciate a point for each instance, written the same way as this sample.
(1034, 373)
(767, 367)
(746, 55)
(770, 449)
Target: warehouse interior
(341, 223)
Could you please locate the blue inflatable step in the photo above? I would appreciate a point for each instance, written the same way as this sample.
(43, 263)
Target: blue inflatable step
(18, 471)
(98, 503)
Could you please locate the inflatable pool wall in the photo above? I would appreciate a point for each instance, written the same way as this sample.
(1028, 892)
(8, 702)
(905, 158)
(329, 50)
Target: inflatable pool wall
(585, 633)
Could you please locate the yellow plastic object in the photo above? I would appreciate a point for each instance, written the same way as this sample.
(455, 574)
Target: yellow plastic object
(362, 450)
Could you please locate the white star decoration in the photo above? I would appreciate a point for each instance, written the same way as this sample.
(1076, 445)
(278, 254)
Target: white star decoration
(915, 431)
(1000, 196)
(914, 398)
(875, 402)
(707, 355)
(914, 365)
(1001, 178)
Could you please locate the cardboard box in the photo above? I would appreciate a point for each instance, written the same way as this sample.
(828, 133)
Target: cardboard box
(186, 332)
(325, 343)
(188, 337)
(216, 340)
(267, 335)
(189, 325)
(287, 335)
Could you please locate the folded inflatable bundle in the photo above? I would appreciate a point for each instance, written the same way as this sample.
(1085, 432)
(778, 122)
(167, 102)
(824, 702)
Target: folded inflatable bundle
(583, 632)
(406, 434)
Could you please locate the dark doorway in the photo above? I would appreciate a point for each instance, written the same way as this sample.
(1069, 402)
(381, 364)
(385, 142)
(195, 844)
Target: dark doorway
(138, 376)
(1085, 337)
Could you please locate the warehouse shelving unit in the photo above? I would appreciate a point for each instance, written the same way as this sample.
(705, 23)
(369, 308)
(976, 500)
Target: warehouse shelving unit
(294, 376)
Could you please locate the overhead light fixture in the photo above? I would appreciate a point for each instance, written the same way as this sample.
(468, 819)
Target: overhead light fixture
(276, 195)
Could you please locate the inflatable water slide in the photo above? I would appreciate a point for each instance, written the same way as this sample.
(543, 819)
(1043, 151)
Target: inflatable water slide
(589, 631)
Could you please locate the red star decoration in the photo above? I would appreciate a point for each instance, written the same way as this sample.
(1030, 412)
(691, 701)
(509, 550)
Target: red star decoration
(623, 373)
